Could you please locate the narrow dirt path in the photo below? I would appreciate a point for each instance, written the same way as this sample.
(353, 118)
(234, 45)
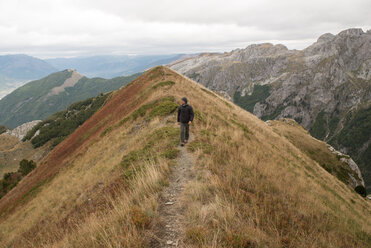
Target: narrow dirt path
(168, 232)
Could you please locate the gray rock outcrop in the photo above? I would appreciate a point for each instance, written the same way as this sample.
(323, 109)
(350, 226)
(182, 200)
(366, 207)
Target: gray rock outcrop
(23, 129)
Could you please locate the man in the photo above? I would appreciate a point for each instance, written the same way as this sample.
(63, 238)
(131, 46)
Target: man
(185, 118)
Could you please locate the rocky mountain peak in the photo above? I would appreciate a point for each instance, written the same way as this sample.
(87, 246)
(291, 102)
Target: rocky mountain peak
(326, 37)
(351, 32)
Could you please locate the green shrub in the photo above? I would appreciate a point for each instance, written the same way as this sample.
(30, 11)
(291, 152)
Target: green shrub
(105, 131)
(140, 112)
(162, 84)
(26, 166)
(160, 107)
(58, 140)
(361, 190)
(2, 129)
(156, 72)
(126, 119)
(133, 156)
(163, 109)
(170, 153)
(11, 179)
(63, 123)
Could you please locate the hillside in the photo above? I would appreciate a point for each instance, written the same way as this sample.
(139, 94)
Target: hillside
(12, 151)
(39, 99)
(325, 87)
(336, 163)
(107, 66)
(34, 140)
(121, 180)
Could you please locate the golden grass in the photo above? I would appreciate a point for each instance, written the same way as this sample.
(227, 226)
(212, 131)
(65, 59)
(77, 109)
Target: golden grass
(252, 188)
(12, 151)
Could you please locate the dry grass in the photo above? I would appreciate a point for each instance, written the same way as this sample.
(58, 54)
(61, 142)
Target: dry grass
(12, 151)
(252, 187)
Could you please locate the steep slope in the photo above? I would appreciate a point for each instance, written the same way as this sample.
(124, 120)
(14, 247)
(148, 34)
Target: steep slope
(322, 87)
(39, 99)
(112, 66)
(336, 163)
(12, 151)
(34, 140)
(108, 184)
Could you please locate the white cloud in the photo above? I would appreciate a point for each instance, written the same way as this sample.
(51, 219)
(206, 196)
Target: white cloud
(50, 28)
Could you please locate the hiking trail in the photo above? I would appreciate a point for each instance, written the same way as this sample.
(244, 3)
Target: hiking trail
(168, 232)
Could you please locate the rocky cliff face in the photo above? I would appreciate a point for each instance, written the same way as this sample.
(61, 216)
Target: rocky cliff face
(22, 130)
(324, 87)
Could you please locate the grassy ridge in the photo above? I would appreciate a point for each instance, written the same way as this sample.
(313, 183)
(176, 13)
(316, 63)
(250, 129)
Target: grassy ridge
(251, 186)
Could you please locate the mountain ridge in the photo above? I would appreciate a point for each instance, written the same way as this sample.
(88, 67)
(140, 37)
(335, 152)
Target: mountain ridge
(106, 183)
(109, 66)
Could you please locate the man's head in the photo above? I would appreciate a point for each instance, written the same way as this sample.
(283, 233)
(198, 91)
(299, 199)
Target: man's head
(184, 100)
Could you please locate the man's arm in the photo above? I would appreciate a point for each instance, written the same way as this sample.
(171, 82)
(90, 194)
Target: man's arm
(191, 113)
(178, 118)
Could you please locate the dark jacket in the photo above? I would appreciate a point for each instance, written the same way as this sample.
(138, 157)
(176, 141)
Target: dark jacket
(185, 113)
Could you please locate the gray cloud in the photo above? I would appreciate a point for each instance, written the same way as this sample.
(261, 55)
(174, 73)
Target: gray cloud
(49, 28)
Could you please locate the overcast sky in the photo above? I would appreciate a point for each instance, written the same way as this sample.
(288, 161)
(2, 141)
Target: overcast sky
(64, 28)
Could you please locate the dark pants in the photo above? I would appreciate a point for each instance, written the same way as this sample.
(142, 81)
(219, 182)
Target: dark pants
(184, 131)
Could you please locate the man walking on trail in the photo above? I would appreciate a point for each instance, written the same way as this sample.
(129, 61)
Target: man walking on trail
(185, 118)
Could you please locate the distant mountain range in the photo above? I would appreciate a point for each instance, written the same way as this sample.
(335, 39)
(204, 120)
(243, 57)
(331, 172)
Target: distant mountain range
(112, 66)
(24, 67)
(16, 70)
(326, 87)
(39, 99)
